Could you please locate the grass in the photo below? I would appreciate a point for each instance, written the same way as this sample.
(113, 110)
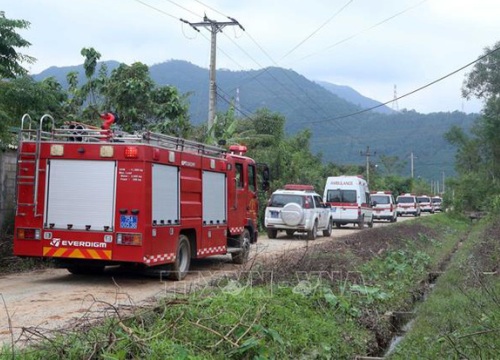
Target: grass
(461, 317)
(330, 302)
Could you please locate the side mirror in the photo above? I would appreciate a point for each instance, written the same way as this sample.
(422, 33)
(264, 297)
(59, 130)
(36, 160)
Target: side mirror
(265, 178)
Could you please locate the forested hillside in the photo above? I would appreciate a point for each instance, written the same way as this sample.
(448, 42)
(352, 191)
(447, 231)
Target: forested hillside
(337, 134)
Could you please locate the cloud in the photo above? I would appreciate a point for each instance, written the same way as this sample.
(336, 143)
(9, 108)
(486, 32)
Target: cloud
(369, 45)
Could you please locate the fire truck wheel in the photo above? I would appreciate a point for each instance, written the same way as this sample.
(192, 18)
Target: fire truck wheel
(241, 257)
(180, 267)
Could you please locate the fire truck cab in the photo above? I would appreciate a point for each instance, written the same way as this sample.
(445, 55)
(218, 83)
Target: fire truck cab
(88, 198)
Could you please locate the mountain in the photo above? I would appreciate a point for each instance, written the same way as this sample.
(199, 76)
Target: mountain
(337, 134)
(349, 94)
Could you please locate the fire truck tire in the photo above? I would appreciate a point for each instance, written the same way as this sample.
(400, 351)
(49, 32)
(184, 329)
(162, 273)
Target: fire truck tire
(241, 257)
(180, 267)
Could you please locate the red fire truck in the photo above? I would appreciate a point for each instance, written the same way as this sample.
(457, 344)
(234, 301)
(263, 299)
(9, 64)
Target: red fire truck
(89, 198)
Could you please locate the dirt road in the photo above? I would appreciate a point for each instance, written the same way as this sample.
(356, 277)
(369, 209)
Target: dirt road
(43, 300)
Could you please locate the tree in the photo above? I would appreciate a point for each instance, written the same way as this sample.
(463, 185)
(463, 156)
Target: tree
(478, 155)
(131, 93)
(391, 164)
(483, 82)
(10, 41)
(22, 96)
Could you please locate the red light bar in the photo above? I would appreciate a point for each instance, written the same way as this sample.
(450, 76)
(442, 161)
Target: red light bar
(239, 149)
(131, 152)
(298, 187)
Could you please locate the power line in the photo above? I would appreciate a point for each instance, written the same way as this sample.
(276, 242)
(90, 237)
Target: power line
(183, 8)
(212, 106)
(317, 30)
(315, 109)
(211, 8)
(208, 22)
(214, 27)
(395, 105)
(365, 30)
(156, 9)
(416, 90)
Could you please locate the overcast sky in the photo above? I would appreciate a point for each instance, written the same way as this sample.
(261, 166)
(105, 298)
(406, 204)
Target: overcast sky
(373, 46)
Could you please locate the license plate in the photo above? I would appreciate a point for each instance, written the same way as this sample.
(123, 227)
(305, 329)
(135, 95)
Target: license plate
(128, 221)
(274, 214)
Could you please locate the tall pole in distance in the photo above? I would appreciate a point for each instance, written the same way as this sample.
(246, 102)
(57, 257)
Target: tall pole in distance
(411, 163)
(214, 27)
(367, 154)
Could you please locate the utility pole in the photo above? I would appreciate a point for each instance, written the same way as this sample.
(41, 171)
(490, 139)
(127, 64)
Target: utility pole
(395, 105)
(214, 27)
(443, 182)
(367, 153)
(411, 163)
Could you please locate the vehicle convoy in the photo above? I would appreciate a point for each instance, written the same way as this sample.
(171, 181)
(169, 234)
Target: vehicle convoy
(384, 206)
(349, 198)
(89, 197)
(407, 204)
(297, 208)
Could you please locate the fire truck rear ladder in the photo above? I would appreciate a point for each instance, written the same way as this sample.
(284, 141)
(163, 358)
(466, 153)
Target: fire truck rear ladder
(29, 157)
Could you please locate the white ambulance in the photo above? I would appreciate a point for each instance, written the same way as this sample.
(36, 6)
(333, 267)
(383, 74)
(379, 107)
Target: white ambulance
(349, 198)
(384, 206)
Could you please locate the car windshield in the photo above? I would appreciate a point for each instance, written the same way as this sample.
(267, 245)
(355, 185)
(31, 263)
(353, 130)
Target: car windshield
(436, 201)
(406, 199)
(423, 199)
(380, 199)
(337, 195)
(280, 200)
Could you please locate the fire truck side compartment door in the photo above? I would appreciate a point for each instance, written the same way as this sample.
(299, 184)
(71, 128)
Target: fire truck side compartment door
(80, 193)
(214, 198)
(165, 194)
